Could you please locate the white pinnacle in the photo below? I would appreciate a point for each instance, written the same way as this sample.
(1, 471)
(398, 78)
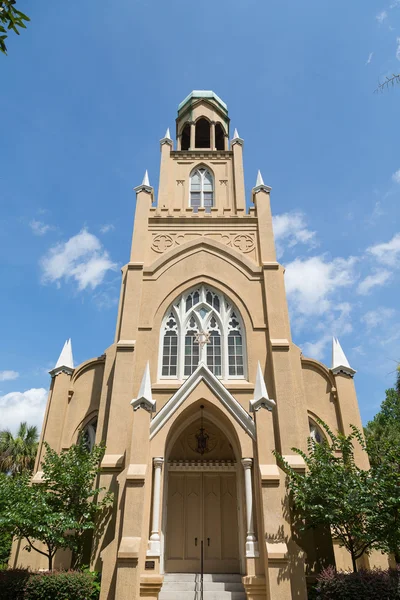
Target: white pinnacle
(261, 398)
(168, 134)
(66, 359)
(236, 135)
(339, 359)
(146, 179)
(260, 180)
(145, 398)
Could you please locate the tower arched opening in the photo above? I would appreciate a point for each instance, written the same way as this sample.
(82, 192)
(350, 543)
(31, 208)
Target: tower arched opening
(219, 137)
(203, 134)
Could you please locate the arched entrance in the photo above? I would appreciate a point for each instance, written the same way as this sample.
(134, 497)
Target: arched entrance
(202, 507)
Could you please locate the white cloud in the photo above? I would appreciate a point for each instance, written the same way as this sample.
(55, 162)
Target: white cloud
(398, 48)
(28, 406)
(381, 17)
(387, 253)
(317, 349)
(369, 58)
(373, 318)
(106, 228)
(8, 375)
(372, 281)
(39, 228)
(291, 229)
(311, 283)
(81, 258)
(396, 175)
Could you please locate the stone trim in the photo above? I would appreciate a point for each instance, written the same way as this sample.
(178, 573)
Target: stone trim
(201, 465)
(270, 473)
(296, 462)
(281, 344)
(129, 548)
(277, 550)
(136, 472)
(126, 344)
(112, 461)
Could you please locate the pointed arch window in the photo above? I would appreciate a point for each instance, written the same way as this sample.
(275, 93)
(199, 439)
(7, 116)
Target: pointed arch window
(89, 434)
(202, 325)
(201, 189)
(316, 432)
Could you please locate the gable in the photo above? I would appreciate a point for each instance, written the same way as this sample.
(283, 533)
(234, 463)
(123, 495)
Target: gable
(203, 373)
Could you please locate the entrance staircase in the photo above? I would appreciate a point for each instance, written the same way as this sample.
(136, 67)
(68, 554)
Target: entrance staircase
(186, 586)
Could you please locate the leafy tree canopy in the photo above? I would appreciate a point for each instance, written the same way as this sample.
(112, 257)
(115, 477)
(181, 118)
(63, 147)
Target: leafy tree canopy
(10, 19)
(17, 454)
(59, 511)
(334, 491)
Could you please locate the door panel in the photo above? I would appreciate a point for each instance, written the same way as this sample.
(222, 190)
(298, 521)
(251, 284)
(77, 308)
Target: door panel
(202, 506)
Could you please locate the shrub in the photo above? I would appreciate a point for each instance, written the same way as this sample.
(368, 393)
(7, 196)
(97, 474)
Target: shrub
(368, 585)
(19, 584)
(12, 584)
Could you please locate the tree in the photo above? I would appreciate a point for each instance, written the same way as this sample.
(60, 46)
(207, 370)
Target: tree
(334, 492)
(61, 510)
(383, 445)
(10, 18)
(385, 495)
(395, 78)
(17, 454)
(385, 426)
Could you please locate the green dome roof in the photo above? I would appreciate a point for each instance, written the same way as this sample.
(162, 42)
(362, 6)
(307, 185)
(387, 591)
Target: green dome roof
(203, 94)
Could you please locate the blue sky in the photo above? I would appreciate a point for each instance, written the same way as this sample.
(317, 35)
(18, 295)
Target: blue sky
(90, 88)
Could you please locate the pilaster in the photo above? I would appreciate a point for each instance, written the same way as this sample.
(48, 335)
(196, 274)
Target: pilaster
(350, 413)
(164, 197)
(238, 173)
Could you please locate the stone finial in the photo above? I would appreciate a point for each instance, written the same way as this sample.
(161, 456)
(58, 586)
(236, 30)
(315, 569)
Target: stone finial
(145, 398)
(65, 363)
(145, 185)
(260, 185)
(236, 138)
(340, 364)
(261, 398)
(167, 138)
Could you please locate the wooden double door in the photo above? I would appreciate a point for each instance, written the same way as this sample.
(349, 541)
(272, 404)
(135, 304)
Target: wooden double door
(202, 507)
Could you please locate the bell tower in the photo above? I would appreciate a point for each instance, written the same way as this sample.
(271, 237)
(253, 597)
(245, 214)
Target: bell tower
(202, 175)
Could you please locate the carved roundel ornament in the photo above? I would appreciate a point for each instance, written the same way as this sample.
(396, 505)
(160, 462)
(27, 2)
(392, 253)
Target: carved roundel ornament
(243, 242)
(162, 242)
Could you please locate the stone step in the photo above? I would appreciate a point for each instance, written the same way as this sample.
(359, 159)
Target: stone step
(208, 586)
(214, 577)
(218, 595)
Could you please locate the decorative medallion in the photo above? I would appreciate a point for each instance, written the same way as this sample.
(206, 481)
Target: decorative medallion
(162, 242)
(243, 242)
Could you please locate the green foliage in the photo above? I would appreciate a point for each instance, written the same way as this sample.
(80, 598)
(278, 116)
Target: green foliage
(383, 445)
(10, 19)
(60, 511)
(334, 491)
(62, 585)
(12, 584)
(384, 429)
(368, 585)
(17, 454)
(18, 584)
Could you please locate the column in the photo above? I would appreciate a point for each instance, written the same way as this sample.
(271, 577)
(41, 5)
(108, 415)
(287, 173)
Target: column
(192, 135)
(212, 135)
(154, 542)
(251, 540)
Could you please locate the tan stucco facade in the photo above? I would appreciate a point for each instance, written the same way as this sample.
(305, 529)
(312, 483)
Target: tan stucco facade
(230, 250)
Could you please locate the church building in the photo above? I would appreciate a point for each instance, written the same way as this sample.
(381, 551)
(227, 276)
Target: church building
(201, 384)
